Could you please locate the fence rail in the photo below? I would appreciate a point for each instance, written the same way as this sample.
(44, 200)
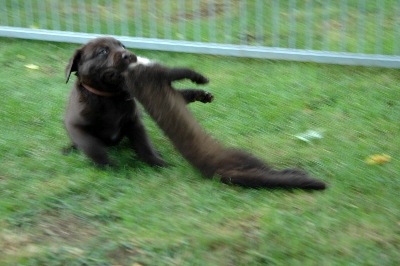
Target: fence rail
(355, 32)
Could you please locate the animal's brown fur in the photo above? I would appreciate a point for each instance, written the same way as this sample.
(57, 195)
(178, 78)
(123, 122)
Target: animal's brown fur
(100, 113)
(151, 86)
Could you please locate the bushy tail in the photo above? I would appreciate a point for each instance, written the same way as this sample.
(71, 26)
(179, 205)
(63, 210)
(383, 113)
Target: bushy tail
(243, 169)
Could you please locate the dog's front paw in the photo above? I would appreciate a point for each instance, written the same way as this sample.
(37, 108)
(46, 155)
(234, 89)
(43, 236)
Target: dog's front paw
(204, 97)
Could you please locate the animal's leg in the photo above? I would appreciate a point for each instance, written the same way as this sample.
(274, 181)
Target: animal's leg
(136, 133)
(94, 148)
(193, 95)
(175, 74)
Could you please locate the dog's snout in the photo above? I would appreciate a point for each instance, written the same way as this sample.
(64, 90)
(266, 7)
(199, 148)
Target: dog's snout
(128, 57)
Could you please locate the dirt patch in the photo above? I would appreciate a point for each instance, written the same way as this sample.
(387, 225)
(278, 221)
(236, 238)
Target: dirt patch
(65, 227)
(14, 243)
(51, 231)
(125, 255)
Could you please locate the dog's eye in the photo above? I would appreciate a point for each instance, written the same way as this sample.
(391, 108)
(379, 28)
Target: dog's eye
(123, 46)
(103, 51)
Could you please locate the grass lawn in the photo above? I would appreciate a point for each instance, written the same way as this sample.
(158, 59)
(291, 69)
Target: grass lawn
(61, 210)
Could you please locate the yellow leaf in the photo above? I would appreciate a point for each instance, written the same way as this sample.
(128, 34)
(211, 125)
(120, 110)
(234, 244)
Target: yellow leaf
(32, 66)
(378, 159)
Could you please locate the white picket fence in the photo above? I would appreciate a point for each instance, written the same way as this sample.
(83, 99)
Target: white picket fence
(354, 32)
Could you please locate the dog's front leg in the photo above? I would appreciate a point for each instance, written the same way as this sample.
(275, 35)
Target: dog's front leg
(141, 144)
(90, 145)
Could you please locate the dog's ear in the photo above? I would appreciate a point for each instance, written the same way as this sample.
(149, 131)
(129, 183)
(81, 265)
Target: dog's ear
(73, 64)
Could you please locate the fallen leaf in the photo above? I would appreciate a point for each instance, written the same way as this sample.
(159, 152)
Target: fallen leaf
(32, 66)
(378, 159)
(309, 136)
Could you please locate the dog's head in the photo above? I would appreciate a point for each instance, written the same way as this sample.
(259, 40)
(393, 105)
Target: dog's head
(100, 62)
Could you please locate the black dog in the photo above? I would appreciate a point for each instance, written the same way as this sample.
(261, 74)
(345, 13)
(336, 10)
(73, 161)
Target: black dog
(100, 112)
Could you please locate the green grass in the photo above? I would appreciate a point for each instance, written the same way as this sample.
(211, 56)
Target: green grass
(61, 210)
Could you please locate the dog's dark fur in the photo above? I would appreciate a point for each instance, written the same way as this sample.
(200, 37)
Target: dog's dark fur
(100, 112)
(151, 85)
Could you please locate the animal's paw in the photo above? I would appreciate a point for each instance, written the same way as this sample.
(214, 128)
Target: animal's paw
(199, 79)
(204, 97)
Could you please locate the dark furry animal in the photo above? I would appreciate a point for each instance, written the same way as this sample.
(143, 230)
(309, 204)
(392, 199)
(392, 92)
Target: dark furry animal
(100, 112)
(151, 86)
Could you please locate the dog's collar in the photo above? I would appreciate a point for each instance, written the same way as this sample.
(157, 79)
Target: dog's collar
(97, 92)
